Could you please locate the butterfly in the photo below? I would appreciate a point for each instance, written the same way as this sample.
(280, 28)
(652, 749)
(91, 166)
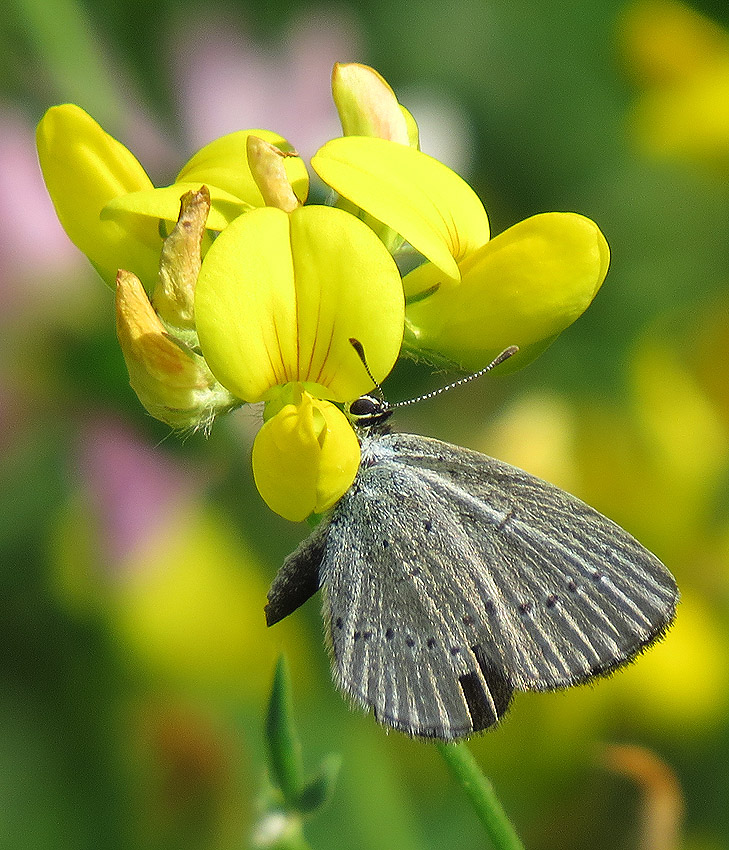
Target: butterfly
(452, 579)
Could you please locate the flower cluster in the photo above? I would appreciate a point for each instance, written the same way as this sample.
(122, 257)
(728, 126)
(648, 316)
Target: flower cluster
(230, 288)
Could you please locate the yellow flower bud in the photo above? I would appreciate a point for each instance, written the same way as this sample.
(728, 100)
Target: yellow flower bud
(266, 162)
(367, 106)
(173, 383)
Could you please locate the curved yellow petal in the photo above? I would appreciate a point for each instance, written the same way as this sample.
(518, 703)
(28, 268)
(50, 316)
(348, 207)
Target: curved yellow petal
(164, 204)
(339, 459)
(522, 288)
(84, 168)
(305, 458)
(420, 198)
(224, 163)
(366, 103)
(279, 296)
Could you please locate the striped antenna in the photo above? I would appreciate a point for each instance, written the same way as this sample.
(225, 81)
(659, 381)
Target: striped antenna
(357, 346)
(505, 355)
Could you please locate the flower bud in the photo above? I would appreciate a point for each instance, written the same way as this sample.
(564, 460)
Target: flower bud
(367, 106)
(174, 295)
(266, 162)
(173, 382)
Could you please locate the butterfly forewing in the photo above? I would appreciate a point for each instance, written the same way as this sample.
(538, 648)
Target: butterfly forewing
(452, 578)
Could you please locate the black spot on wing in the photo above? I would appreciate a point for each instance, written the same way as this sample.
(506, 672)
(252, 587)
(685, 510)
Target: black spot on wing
(496, 679)
(479, 705)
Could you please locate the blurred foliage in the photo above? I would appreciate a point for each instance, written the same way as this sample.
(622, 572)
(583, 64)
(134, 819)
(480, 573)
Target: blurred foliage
(135, 661)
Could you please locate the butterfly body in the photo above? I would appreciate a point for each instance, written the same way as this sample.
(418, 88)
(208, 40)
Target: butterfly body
(452, 579)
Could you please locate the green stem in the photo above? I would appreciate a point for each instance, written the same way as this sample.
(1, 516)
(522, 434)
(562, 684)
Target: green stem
(468, 774)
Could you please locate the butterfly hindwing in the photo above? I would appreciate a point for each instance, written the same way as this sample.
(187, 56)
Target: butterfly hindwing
(452, 578)
(401, 640)
(298, 579)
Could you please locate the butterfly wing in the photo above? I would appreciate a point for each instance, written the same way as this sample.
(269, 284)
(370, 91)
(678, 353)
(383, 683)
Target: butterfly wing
(394, 619)
(452, 578)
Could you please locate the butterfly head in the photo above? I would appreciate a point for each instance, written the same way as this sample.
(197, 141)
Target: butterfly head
(368, 411)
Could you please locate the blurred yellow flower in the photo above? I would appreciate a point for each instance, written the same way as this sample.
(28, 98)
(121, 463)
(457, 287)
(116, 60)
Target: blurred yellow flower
(681, 60)
(185, 605)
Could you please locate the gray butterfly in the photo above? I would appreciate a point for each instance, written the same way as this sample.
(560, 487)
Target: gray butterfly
(452, 579)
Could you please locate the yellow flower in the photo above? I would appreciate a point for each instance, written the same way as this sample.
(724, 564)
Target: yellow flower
(472, 297)
(278, 298)
(108, 205)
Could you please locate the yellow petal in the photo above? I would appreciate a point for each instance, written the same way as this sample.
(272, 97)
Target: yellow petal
(279, 296)
(339, 459)
(224, 163)
(522, 288)
(304, 458)
(153, 205)
(84, 168)
(366, 104)
(418, 197)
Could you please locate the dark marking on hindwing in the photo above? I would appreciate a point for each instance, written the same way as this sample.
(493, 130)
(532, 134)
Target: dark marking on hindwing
(499, 685)
(479, 706)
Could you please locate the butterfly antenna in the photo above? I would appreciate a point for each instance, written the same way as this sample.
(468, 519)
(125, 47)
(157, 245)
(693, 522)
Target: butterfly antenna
(505, 355)
(357, 346)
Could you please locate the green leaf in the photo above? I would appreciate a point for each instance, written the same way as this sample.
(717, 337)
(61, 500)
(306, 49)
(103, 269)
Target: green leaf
(320, 789)
(284, 747)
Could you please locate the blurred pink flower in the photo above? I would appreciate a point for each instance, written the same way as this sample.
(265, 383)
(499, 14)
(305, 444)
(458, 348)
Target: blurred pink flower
(227, 81)
(137, 491)
(35, 253)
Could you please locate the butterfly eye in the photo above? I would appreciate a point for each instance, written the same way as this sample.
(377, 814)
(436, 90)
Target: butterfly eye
(365, 406)
(369, 412)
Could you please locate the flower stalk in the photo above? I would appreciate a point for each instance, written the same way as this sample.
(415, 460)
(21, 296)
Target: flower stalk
(480, 791)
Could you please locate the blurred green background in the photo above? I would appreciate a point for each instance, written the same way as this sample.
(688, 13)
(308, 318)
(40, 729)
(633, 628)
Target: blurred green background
(134, 663)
